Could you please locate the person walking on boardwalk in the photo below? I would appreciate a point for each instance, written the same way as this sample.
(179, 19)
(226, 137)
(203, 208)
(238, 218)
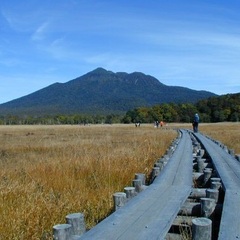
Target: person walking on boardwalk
(195, 123)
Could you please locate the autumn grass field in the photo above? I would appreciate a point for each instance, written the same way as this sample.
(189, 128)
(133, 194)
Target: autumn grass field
(227, 133)
(48, 172)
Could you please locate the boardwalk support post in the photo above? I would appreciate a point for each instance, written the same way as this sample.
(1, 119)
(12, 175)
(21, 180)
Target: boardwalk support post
(216, 185)
(201, 229)
(201, 152)
(207, 207)
(155, 172)
(119, 199)
(130, 192)
(137, 183)
(78, 223)
(62, 231)
(198, 193)
(215, 179)
(200, 164)
(207, 175)
(212, 193)
(141, 176)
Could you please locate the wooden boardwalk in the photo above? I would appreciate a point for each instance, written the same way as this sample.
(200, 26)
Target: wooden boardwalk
(151, 213)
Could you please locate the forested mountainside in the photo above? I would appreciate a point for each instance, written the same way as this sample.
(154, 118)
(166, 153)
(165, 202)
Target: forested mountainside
(101, 92)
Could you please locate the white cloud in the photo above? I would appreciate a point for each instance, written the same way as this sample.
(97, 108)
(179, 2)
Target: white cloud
(39, 34)
(8, 18)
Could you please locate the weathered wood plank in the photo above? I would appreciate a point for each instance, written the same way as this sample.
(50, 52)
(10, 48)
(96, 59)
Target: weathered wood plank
(156, 222)
(230, 223)
(227, 167)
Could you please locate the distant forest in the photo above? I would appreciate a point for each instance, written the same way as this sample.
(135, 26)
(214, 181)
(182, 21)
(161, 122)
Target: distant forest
(214, 109)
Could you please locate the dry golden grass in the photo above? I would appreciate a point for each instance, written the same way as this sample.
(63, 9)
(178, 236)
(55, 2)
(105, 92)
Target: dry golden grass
(227, 133)
(48, 172)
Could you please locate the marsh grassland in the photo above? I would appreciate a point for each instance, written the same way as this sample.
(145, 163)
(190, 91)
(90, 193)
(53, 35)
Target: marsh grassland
(47, 172)
(227, 133)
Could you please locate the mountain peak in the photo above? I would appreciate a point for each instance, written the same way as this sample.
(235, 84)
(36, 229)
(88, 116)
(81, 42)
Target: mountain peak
(101, 92)
(100, 70)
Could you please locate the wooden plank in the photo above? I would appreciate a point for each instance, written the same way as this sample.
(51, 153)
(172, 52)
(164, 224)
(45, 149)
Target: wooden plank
(118, 222)
(230, 220)
(156, 222)
(149, 220)
(227, 167)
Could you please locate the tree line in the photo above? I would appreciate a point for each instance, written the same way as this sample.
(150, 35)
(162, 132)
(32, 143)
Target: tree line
(214, 109)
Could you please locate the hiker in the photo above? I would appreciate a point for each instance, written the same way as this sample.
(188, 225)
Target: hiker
(195, 123)
(161, 123)
(137, 124)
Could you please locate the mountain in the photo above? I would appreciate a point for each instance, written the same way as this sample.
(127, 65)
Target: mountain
(101, 92)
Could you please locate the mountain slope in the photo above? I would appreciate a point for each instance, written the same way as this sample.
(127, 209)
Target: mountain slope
(100, 92)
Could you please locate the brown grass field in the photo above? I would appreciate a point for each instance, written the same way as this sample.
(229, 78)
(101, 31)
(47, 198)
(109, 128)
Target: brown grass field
(48, 172)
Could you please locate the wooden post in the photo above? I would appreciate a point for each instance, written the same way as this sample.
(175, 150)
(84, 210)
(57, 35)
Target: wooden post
(119, 199)
(215, 179)
(198, 193)
(141, 176)
(130, 192)
(200, 163)
(201, 152)
(195, 150)
(155, 172)
(159, 164)
(190, 209)
(201, 229)
(165, 159)
(207, 175)
(231, 152)
(170, 151)
(197, 176)
(78, 223)
(216, 185)
(207, 207)
(225, 148)
(212, 193)
(62, 231)
(137, 183)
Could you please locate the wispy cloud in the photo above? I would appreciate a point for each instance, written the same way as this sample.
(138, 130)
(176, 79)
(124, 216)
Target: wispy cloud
(9, 19)
(39, 33)
(15, 20)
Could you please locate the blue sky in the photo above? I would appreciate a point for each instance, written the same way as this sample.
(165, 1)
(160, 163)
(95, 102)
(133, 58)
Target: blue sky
(194, 43)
